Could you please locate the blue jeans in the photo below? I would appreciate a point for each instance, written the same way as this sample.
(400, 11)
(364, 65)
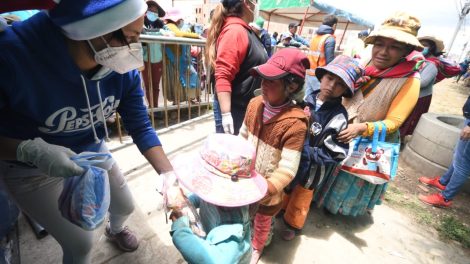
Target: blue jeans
(238, 115)
(459, 171)
(312, 84)
(217, 116)
(8, 213)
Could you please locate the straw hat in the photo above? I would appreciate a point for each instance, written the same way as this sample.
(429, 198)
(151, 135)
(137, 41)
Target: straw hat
(222, 172)
(401, 27)
(439, 43)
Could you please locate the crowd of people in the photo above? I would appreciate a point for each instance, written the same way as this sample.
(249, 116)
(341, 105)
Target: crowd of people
(284, 120)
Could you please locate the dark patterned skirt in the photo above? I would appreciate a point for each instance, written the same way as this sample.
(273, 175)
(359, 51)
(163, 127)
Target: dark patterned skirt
(345, 194)
(422, 107)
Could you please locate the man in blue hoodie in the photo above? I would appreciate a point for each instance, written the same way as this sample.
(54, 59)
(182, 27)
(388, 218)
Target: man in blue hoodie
(64, 72)
(322, 51)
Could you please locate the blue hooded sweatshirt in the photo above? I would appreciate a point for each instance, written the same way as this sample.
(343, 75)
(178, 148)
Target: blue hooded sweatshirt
(330, 42)
(44, 94)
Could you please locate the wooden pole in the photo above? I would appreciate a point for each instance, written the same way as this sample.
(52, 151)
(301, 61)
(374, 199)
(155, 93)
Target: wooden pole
(269, 20)
(187, 87)
(177, 82)
(303, 20)
(342, 37)
(165, 83)
(150, 86)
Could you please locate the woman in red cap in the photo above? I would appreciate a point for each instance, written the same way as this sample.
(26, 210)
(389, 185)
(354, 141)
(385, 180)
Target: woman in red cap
(276, 126)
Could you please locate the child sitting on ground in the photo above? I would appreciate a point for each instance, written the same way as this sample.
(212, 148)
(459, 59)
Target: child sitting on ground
(322, 151)
(276, 127)
(224, 182)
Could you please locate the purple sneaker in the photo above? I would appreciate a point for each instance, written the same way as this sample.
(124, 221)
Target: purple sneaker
(125, 240)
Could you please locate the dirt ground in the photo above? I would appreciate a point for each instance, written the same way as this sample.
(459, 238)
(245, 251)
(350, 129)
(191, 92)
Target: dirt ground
(448, 97)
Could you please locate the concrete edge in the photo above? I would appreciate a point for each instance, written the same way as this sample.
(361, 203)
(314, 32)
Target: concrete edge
(165, 130)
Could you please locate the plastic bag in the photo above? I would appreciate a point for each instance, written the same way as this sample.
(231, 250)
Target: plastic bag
(85, 199)
(194, 219)
(373, 160)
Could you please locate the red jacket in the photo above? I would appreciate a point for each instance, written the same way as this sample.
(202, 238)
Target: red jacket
(232, 46)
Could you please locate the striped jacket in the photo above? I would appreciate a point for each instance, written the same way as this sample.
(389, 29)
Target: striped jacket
(278, 144)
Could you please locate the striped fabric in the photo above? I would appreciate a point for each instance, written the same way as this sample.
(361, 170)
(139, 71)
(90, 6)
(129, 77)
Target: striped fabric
(270, 111)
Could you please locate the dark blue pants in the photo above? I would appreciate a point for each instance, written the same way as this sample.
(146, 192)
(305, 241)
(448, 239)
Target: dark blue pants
(459, 171)
(238, 115)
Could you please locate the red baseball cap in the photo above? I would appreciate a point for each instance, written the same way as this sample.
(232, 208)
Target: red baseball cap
(284, 62)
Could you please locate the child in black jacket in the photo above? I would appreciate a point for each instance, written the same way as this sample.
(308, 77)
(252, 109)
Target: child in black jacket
(322, 151)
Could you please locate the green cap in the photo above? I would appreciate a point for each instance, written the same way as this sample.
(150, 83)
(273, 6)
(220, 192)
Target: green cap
(260, 22)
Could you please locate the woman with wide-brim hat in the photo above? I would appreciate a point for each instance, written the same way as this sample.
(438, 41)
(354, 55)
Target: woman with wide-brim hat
(388, 95)
(433, 48)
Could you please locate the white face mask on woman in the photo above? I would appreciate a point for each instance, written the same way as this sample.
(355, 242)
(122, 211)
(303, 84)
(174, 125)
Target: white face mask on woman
(120, 59)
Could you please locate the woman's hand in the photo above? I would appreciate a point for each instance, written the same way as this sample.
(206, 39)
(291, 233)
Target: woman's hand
(175, 214)
(465, 134)
(271, 189)
(352, 131)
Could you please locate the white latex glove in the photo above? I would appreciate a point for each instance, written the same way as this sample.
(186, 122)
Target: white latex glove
(227, 123)
(51, 159)
(172, 194)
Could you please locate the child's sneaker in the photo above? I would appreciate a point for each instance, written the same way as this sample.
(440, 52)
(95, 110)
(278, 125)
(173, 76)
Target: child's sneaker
(432, 182)
(435, 199)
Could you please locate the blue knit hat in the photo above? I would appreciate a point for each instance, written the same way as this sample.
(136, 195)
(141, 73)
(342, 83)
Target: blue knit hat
(88, 19)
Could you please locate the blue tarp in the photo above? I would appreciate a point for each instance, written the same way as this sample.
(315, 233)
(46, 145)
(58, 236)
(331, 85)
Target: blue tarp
(341, 13)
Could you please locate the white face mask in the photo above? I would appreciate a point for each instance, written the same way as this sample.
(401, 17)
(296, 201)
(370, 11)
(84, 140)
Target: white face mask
(120, 59)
